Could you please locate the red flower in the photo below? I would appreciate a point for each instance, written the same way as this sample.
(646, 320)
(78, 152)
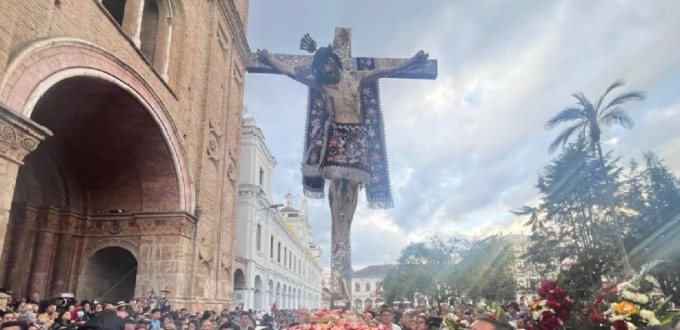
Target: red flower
(558, 293)
(620, 325)
(597, 318)
(564, 314)
(567, 304)
(553, 304)
(547, 315)
(550, 324)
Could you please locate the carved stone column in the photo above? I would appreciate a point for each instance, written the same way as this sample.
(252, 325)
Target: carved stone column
(19, 136)
(132, 20)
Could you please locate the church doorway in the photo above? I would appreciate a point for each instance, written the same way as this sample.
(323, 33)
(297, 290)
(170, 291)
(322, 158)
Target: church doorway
(106, 164)
(109, 275)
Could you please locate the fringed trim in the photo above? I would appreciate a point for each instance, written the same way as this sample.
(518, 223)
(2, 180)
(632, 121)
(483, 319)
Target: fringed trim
(313, 193)
(308, 170)
(335, 172)
(381, 205)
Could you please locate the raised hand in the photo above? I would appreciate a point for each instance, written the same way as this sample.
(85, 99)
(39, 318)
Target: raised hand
(421, 56)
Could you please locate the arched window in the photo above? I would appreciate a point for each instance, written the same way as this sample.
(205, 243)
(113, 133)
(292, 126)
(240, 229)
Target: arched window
(116, 8)
(149, 29)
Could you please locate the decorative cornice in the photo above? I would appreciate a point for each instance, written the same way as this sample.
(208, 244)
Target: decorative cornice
(19, 135)
(228, 9)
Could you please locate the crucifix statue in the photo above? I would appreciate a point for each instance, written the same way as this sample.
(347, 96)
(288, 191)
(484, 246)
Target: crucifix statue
(344, 133)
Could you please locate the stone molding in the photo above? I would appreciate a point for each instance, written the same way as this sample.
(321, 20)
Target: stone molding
(19, 135)
(124, 225)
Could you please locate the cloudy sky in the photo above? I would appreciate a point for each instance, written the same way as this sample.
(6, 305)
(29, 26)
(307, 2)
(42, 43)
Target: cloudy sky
(466, 148)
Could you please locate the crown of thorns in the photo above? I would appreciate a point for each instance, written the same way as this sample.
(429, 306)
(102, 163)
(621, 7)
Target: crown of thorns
(320, 54)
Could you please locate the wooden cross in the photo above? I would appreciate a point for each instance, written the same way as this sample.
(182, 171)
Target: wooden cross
(342, 45)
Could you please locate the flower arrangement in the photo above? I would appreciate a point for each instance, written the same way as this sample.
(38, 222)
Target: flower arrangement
(339, 320)
(454, 322)
(630, 304)
(553, 308)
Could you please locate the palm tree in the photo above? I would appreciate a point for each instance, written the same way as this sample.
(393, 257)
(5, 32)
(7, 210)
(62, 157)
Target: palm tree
(587, 119)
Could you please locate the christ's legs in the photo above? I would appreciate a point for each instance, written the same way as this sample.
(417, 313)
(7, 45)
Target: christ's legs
(342, 196)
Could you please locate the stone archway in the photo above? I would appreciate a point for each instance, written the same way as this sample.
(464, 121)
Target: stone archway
(358, 304)
(109, 275)
(259, 295)
(239, 286)
(106, 164)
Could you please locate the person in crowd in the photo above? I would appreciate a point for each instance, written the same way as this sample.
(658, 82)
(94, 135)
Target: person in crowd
(49, 316)
(207, 325)
(14, 325)
(193, 325)
(513, 311)
(28, 317)
(33, 326)
(9, 317)
(404, 321)
(244, 321)
(63, 320)
(421, 322)
(386, 319)
(487, 323)
(98, 308)
(520, 324)
(155, 319)
(302, 315)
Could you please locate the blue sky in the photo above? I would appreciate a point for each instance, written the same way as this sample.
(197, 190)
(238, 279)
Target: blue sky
(466, 148)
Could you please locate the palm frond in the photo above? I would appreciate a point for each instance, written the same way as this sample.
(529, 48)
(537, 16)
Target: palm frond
(613, 86)
(563, 138)
(524, 210)
(625, 97)
(566, 115)
(617, 116)
(583, 101)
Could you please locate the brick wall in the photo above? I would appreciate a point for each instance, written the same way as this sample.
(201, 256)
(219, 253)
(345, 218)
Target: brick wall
(201, 101)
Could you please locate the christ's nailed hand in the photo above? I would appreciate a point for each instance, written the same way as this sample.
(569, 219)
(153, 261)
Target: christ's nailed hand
(263, 55)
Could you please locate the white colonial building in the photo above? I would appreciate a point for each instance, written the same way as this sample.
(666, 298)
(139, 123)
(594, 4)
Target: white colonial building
(367, 285)
(525, 273)
(275, 247)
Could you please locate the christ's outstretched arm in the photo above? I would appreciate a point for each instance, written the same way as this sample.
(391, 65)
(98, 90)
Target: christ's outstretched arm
(270, 60)
(374, 75)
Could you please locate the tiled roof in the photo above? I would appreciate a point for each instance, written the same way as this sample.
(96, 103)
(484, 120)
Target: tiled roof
(375, 270)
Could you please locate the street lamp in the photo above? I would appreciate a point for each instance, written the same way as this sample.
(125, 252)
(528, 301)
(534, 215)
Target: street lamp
(270, 207)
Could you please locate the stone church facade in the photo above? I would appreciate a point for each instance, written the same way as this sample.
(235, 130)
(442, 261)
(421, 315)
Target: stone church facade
(120, 131)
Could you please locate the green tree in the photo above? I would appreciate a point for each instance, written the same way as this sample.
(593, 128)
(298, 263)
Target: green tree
(569, 229)
(587, 119)
(653, 196)
(485, 270)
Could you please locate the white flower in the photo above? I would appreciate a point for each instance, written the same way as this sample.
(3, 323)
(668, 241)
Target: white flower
(543, 302)
(631, 326)
(649, 317)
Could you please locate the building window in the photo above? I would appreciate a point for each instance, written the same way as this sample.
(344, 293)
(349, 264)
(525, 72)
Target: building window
(285, 256)
(258, 237)
(368, 287)
(290, 260)
(357, 287)
(116, 8)
(261, 177)
(149, 30)
(271, 247)
(294, 264)
(378, 286)
(278, 253)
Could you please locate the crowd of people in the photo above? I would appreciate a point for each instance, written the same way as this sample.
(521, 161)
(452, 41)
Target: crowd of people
(65, 313)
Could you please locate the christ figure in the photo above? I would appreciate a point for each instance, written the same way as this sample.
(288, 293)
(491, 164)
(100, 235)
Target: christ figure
(344, 158)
